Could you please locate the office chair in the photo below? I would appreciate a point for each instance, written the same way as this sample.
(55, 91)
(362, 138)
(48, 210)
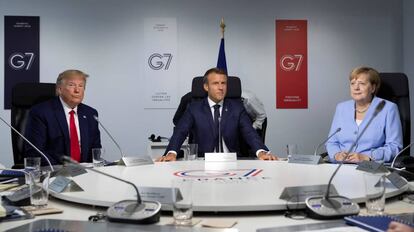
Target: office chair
(394, 87)
(24, 96)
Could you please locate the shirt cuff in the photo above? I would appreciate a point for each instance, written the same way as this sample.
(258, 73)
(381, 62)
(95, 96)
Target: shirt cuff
(171, 152)
(258, 152)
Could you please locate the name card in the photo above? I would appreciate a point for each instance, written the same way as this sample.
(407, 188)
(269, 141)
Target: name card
(305, 159)
(70, 170)
(135, 161)
(371, 167)
(396, 180)
(220, 157)
(160, 194)
(64, 184)
(300, 193)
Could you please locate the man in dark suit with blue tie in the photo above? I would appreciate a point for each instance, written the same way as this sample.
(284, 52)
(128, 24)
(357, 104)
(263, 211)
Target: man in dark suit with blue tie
(63, 125)
(206, 117)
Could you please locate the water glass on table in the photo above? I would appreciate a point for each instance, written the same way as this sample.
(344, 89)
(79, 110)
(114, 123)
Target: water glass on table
(375, 193)
(192, 151)
(97, 157)
(32, 166)
(182, 201)
(39, 190)
(291, 149)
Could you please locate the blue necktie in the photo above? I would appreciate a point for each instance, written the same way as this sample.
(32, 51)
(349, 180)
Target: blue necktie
(217, 127)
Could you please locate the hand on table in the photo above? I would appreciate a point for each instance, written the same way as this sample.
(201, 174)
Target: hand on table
(352, 157)
(263, 155)
(168, 157)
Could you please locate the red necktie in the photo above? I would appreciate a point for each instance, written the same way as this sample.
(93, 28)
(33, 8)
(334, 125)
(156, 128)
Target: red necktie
(74, 140)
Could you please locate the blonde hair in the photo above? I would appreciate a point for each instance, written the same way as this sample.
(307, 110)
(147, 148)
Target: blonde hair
(68, 73)
(373, 76)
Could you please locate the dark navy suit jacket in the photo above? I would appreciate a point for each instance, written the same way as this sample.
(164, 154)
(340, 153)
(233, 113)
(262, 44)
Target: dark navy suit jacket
(199, 119)
(47, 129)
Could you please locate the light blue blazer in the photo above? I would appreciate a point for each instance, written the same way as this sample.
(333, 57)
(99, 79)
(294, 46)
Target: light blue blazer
(381, 141)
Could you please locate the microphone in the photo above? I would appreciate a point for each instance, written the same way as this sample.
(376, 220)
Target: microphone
(326, 206)
(127, 161)
(219, 134)
(399, 153)
(128, 211)
(330, 136)
(31, 144)
(109, 134)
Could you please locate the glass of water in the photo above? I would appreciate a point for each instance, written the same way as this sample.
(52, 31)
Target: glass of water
(183, 201)
(97, 157)
(375, 193)
(32, 165)
(39, 189)
(192, 151)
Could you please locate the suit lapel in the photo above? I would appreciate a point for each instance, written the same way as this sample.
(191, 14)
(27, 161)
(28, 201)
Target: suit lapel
(84, 131)
(61, 118)
(207, 112)
(225, 113)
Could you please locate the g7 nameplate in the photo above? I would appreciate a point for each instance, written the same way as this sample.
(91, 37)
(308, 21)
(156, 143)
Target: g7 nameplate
(160, 194)
(64, 184)
(135, 161)
(305, 159)
(397, 180)
(371, 167)
(70, 170)
(220, 157)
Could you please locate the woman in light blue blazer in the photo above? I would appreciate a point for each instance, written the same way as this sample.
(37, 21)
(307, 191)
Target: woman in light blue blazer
(382, 139)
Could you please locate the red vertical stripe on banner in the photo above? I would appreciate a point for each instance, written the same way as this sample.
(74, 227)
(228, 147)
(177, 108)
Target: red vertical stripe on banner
(291, 64)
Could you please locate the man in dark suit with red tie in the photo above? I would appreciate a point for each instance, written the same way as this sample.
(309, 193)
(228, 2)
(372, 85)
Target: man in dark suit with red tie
(64, 125)
(206, 117)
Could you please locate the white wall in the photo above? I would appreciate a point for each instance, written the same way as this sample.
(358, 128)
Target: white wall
(104, 38)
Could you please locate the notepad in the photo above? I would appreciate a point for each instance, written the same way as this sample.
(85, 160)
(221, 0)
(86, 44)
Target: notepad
(373, 223)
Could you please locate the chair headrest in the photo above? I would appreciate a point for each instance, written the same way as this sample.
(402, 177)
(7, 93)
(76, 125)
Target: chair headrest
(28, 94)
(233, 87)
(393, 85)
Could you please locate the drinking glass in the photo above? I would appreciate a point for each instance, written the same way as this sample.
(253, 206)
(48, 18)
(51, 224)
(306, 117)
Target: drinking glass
(32, 165)
(97, 157)
(192, 151)
(39, 190)
(375, 193)
(182, 201)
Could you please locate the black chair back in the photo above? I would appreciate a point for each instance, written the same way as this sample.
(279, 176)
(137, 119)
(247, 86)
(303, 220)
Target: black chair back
(24, 96)
(395, 88)
(234, 89)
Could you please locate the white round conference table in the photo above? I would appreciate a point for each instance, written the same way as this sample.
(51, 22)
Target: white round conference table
(245, 185)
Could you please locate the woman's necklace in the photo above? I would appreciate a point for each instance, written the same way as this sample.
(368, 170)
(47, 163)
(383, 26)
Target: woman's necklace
(362, 111)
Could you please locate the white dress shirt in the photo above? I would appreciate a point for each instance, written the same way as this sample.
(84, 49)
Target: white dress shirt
(254, 108)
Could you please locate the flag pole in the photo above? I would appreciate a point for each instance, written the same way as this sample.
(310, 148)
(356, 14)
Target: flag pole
(222, 26)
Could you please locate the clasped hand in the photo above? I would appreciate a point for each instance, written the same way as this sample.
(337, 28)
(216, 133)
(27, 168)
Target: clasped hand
(352, 157)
